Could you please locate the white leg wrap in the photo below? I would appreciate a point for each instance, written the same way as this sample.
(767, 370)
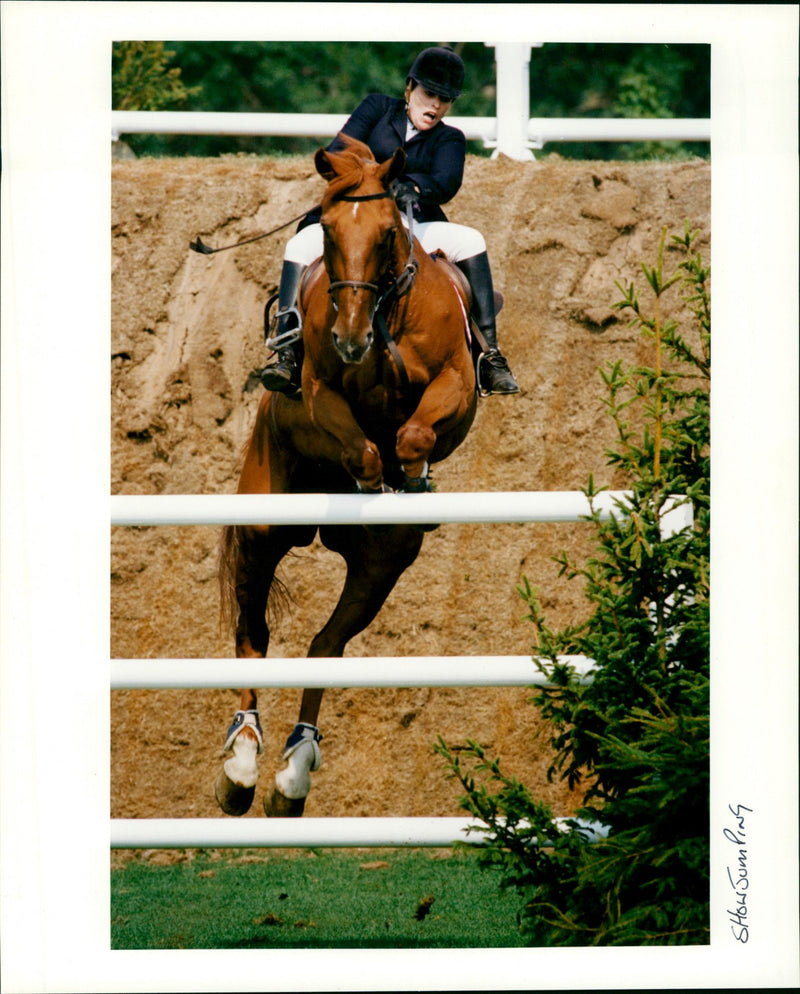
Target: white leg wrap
(302, 757)
(242, 767)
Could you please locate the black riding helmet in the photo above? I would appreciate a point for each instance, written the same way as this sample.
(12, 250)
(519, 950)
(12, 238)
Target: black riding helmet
(439, 70)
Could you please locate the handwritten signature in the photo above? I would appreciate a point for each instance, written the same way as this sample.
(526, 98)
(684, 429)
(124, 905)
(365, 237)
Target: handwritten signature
(738, 873)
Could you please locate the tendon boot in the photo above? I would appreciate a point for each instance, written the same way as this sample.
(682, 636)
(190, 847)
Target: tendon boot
(286, 337)
(491, 369)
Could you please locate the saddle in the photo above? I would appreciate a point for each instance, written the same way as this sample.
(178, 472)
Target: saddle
(477, 342)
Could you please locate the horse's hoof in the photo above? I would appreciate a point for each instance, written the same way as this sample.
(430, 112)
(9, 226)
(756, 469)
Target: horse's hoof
(231, 797)
(277, 805)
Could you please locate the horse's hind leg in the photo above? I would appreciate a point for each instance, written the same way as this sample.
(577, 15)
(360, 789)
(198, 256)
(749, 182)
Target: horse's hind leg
(374, 565)
(252, 557)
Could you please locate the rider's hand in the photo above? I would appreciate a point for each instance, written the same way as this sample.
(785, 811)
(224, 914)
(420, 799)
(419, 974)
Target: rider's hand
(406, 195)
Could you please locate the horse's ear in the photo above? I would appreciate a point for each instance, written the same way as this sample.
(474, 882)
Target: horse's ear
(323, 164)
(394, 167)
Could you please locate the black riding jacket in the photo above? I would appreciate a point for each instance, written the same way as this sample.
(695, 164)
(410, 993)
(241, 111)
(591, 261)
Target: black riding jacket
(434, 159)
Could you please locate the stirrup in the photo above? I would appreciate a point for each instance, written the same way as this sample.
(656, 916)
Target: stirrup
(284, 338)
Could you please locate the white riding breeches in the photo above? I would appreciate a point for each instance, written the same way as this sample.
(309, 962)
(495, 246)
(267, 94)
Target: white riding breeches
(457, 241)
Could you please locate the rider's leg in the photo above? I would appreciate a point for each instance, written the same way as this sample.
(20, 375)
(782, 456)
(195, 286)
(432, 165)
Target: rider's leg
(467, 249)
(301, 250)
(495, 376)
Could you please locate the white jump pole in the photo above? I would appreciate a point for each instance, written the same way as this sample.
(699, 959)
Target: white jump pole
(185, 833)
(363, 509)
(290, 833)
(372, 671)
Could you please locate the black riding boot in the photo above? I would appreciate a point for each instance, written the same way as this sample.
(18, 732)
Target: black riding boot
(493, 373)
(284, 375)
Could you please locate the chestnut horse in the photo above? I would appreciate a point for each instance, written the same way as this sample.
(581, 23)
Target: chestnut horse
(388, 387)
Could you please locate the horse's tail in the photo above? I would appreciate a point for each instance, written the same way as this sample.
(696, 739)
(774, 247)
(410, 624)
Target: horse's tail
(230, 561)
(227, 555)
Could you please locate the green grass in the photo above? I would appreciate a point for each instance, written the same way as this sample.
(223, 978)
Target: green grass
(311, 899)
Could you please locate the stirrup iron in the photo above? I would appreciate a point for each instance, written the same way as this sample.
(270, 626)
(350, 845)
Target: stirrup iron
(285, 338)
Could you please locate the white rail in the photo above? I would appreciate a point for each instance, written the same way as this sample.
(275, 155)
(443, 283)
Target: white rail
(538, 131)
(324, 126)
(365, 671)
(373, 509)
(617, 129)
(512, 132)
(288, 833)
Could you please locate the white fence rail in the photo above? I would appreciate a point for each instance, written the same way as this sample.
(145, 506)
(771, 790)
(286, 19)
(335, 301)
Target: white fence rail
(538, 130)
(289, 833)
(363, 671)
(512, 132)
(378, 509)
(409, 671)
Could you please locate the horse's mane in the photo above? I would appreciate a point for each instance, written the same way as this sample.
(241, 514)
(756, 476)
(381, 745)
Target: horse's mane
(357, 158)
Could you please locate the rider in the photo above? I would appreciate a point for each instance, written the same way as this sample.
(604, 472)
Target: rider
(433, 173)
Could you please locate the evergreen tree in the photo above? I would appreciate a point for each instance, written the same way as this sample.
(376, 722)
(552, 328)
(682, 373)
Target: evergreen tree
(141, 78)
(635, 740)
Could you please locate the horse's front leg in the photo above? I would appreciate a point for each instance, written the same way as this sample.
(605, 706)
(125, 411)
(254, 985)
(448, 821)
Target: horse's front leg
(444, 402)
(330, 412)
(374, 565)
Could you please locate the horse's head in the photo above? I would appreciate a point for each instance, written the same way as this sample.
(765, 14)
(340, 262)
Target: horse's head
(360, 223)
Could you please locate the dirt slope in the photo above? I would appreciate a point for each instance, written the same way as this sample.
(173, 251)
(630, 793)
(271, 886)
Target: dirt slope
(186, 332)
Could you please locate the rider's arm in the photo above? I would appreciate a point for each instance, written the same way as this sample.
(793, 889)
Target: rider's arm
(363, 120)
(439, 179)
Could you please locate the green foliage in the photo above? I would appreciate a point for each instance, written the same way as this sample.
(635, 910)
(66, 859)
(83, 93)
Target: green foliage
(622, 80)
(142, 80)
(636, 740)
(567, 80)
(639, 96)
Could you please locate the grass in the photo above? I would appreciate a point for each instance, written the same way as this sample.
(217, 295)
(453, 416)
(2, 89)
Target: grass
(311, 899)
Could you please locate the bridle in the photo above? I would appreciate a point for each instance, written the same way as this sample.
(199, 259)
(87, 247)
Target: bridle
(399, 286)
(396, 288)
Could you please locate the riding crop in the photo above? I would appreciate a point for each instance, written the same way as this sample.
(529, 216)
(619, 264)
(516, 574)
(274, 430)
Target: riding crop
(199, 246)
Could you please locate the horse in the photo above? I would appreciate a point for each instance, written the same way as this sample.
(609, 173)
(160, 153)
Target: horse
(387, 389)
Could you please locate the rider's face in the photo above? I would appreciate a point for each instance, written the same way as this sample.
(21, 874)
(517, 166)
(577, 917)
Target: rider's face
(426, 109)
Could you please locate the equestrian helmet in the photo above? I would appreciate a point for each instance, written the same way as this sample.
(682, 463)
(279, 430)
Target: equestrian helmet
(439, 70)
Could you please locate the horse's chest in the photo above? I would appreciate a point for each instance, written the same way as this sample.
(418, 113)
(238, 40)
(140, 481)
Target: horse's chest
(376, 402)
